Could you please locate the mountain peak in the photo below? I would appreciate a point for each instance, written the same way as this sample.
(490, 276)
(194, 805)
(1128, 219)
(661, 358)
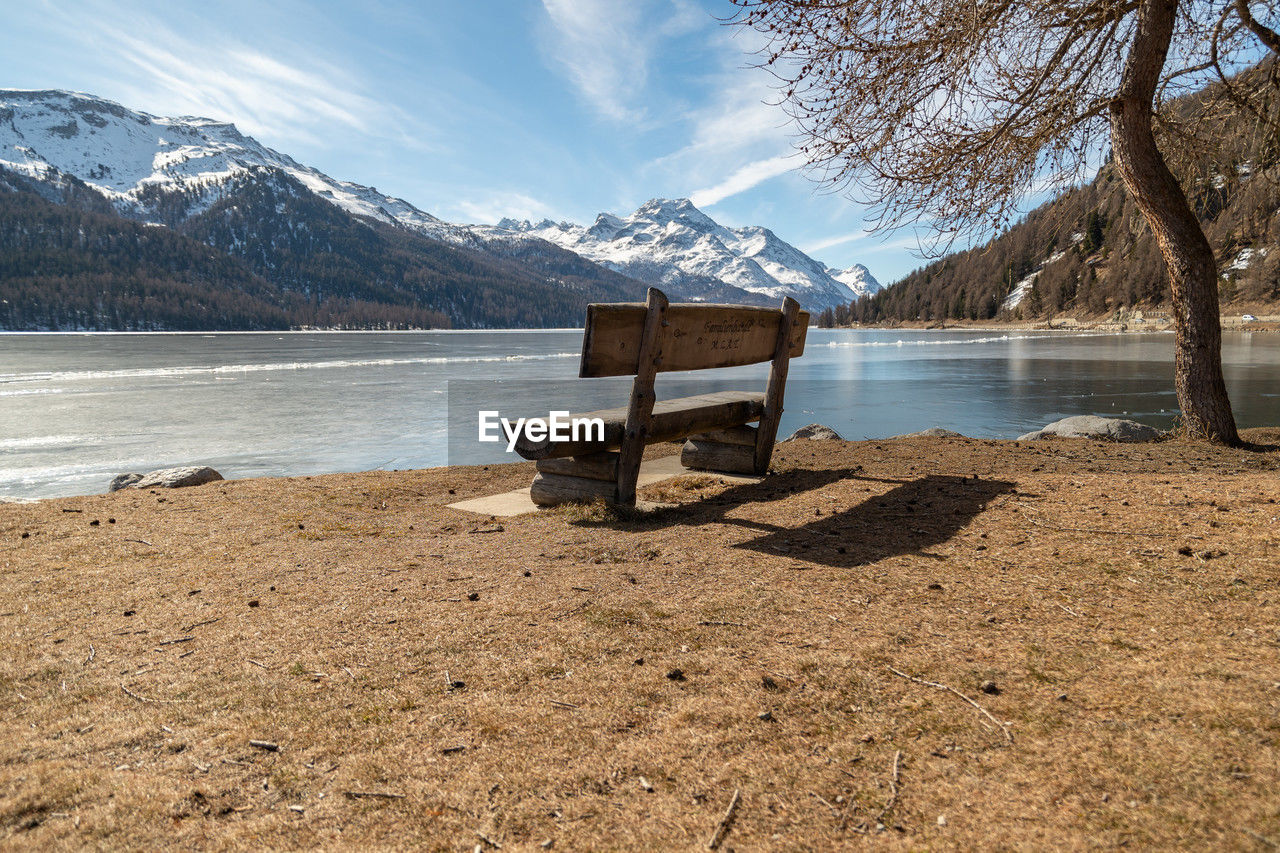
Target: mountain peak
(672, 244)
(667, 210)
(678, 205)
(857, 278)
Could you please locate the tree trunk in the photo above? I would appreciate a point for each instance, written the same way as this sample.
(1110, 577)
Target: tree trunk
(1193, 272)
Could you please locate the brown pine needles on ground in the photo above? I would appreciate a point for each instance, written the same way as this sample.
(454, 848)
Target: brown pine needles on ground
(608, 682)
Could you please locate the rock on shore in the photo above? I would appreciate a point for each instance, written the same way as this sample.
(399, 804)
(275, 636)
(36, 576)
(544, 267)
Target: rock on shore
(166, 478)
(931, 432)
(817, 432)
(1092, 426)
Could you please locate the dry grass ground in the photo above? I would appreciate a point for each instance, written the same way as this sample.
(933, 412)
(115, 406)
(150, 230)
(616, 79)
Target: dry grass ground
(598, 682)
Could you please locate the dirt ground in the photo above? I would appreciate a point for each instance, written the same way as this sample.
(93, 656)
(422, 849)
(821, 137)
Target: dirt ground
(932, 643)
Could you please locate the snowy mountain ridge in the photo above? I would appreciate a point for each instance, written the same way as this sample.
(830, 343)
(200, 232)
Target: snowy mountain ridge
(141, 163)
(129, 156)
(670, 242)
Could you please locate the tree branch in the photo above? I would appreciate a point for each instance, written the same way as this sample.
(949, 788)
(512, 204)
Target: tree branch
(1264, 33)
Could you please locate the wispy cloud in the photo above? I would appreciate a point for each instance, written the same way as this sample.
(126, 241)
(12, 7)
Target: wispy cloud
(736, 136)
(911, 241)
(744, 179)
(263, 94)
(489, 209)
(599, 44)
(291, 98)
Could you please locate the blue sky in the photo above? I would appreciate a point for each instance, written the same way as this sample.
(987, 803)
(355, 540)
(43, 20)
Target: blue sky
(470, 109)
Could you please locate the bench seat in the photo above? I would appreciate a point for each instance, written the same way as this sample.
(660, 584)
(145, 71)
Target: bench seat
(671, 419)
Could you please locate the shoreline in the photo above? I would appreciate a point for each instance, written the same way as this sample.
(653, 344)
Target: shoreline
(515, 461)
(1264, 323)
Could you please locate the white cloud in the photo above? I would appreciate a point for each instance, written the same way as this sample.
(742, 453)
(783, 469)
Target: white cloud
(744, 179)
(828, 242)
(684, 17)
(909, 242)
(734, 136)
(229, 81)
(742, 116)
(152, 65)
(598, 43)
(497, 205)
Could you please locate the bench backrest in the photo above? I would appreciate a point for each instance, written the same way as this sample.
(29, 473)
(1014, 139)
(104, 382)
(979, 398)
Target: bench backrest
(697, 336)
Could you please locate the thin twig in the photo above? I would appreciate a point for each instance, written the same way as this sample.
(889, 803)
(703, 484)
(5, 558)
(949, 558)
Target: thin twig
(893, 787)
(722, 829)
(1003, 726)
(194, 625)
(376, 795)
(563, 704)
(141, 542)
(175, 641)
(726, 624)
(130, 693)
(487, 840)
(1274, 845)
(824, 802)
(257, 663)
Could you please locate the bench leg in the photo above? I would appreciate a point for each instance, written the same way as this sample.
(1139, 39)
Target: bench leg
(730, 450)
(580, 479)
(640, 411)
(767, 432)
(556, 489)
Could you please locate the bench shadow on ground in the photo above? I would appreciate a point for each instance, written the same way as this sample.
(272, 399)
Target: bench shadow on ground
(911, 517)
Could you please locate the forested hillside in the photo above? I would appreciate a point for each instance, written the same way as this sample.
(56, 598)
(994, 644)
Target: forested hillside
(1089, 252)
(304, 244)
(268, 255)
(71, 266)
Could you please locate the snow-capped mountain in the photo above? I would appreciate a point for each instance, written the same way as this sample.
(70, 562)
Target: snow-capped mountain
(133, 158)
(251, 238)
(173, 171)
(671, 243)
(857, 278)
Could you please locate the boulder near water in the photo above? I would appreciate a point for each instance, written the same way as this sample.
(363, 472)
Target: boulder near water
(817, 432)
(123, 481)
(931, 432)
(1093, 426)
(166, 478)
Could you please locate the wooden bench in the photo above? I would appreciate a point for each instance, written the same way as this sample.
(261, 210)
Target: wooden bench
(642, 340)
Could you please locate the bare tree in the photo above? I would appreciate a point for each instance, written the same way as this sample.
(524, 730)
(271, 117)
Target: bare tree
(952, 113)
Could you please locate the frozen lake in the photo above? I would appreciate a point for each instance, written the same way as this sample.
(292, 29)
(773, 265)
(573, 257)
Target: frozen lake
(76, 409)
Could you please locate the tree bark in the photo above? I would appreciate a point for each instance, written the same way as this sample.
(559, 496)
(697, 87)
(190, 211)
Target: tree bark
(1193, 272)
